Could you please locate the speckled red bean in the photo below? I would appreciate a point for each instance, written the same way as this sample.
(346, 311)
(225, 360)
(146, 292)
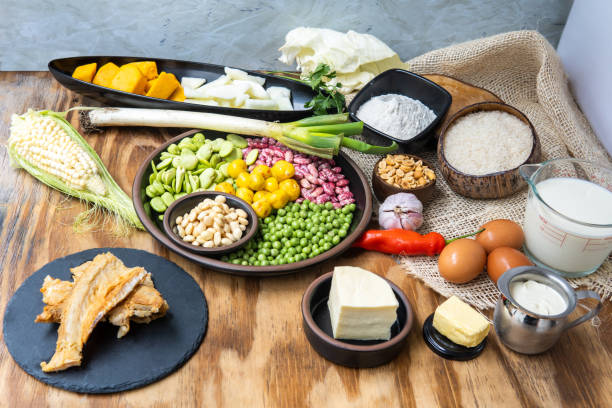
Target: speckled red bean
(301, 160)
(318, 191)
(312, 179)
(300, 200)
(313, 170)
(337, 205)
(323, 198)
(329, 188)
(344, 196)
(289, 156)
(305, 183)
(337, 169)
(340, 190)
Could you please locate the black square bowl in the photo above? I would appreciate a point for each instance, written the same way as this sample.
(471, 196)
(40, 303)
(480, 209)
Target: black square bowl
(399, 81)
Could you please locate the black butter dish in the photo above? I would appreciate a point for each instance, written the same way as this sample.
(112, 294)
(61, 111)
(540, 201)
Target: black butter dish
(444, 347)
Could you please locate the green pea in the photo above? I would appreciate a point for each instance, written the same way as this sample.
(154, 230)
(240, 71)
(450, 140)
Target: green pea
(327, 246)
(336, 240)
(328, 206)
(158, 204)
(274, 262)
(306, 250)
(274, 252)
(342, 233)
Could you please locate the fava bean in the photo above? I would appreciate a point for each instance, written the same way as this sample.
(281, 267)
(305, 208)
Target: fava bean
(168, 175)
(207, 177)
(158, 204)
(203, 154)
(164, 163)
(173, 149)
(167, 198)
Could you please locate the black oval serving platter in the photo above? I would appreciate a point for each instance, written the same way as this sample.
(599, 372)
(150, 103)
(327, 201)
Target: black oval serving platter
(62, 71)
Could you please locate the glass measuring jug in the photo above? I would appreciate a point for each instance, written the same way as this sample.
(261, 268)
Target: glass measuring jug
(568, 215)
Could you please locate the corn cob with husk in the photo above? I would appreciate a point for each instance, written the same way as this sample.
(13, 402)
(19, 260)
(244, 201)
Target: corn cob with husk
(46, 145)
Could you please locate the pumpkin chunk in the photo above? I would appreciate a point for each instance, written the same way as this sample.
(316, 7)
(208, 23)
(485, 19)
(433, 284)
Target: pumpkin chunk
(85, 72)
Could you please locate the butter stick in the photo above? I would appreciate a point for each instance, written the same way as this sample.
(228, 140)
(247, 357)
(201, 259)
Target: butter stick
(460, 323)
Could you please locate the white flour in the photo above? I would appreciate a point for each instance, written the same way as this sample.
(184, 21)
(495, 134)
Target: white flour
(396, 115)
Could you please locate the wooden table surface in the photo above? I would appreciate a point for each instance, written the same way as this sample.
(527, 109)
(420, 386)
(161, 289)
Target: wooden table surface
(255, 353)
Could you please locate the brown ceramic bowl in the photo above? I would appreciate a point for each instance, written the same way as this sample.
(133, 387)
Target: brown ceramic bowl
(361, 217)
(186, 203)
(382, 189)
(493, 185)
(351, 353)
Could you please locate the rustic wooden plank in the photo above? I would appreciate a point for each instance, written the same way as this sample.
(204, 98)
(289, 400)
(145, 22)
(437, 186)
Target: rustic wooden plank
(255, 353)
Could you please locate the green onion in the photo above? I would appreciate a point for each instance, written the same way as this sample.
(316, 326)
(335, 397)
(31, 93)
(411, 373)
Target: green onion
(319, 136)
(46, 145)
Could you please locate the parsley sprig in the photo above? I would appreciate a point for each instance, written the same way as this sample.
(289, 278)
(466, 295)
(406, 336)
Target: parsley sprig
(327, 96)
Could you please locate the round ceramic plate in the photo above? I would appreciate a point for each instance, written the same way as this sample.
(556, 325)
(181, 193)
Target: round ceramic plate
(145, 354)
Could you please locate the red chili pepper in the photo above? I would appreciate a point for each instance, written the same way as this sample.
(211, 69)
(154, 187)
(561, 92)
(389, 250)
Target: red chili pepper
(404, 242)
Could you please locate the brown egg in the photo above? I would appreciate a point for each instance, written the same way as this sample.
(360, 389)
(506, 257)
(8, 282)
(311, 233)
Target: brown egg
(501, 233)
(462, 260)
(503, 258)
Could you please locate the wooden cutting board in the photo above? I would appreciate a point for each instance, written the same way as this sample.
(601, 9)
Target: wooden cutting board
(463, 94)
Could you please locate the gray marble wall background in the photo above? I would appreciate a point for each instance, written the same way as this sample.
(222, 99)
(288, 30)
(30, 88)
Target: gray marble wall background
(246, 33)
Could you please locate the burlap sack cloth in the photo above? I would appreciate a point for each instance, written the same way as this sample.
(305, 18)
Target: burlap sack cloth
(524, 70)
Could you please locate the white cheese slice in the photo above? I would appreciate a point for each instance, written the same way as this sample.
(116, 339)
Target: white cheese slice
(362, 305)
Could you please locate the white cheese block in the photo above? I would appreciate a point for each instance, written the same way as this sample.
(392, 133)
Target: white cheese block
(362, 305)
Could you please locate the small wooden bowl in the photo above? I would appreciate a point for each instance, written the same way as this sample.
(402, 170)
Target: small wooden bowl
(382, 189)
(351, 353)
(494, 185)
(186, 203)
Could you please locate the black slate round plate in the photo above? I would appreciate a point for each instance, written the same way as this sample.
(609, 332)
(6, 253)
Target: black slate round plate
(144, 355)
(443, 347)
(62, 71)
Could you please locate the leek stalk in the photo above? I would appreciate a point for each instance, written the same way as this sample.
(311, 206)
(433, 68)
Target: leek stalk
(318, 136)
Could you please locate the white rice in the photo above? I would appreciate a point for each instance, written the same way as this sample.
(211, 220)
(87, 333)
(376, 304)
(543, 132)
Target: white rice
(487, 142)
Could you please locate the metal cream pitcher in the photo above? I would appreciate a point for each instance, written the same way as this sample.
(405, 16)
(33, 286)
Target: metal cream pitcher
(531, 333)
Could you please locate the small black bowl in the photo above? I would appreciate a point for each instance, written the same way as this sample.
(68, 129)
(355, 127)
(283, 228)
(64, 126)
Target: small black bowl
(399, 81)
(186, 203)
(351, 353)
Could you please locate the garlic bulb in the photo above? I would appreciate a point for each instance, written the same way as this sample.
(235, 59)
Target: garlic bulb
(401, 210)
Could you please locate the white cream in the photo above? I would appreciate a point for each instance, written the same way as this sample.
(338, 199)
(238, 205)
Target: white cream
(537, 297)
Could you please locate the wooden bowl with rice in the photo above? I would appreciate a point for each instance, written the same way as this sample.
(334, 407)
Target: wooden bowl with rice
(481, 148)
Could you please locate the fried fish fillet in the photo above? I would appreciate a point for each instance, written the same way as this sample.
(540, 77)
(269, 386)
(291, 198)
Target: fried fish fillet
(102, 284)
(142, 305)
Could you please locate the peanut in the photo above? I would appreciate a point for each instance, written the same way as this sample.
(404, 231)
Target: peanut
(404, 172)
